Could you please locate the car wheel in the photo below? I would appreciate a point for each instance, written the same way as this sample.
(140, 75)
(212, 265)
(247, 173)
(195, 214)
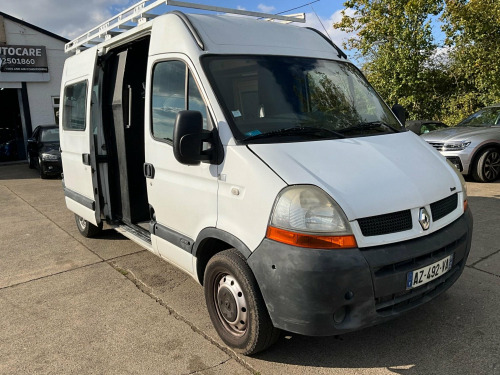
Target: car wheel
(487, 168)
(235, 304)
(43, 175)
(87, 229)
(31, 163)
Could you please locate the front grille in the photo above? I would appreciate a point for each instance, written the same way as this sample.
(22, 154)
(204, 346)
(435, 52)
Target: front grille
(385, 224)
(443, 207)
(437, 145)
(389, 279)
(409, 298)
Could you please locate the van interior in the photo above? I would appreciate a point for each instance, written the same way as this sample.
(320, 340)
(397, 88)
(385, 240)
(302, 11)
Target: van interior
(119, 135)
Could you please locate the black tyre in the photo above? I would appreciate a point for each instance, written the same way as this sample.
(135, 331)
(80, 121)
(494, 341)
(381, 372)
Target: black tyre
(43, 175)
(87, 229)
(31, 163)
(235, 304)
(487, 168)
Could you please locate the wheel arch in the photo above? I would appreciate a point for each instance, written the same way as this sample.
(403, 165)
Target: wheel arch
(211, 241)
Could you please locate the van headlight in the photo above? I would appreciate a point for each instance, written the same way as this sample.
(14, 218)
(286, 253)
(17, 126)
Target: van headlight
(305, 216)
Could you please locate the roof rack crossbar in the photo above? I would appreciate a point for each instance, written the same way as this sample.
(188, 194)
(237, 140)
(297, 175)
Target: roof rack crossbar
(139, 13)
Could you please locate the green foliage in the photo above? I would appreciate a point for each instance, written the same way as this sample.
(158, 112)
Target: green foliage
(473, 35)
(394, 38)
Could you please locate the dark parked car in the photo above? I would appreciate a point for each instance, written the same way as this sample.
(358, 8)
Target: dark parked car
(420, 127)
(43, 150)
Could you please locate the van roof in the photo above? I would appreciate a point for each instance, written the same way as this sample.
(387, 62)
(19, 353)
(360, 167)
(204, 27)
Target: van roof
(243, 35)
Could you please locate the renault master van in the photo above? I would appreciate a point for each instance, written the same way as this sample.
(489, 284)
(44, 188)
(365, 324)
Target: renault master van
(255, 157)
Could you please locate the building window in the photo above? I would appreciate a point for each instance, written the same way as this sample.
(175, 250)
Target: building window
(55, 106)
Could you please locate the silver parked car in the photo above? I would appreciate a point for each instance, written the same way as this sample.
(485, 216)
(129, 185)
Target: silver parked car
(473, 146)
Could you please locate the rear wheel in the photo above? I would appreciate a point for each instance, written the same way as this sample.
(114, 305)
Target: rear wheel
(31, 162)
(87, 229)
(487, 168)
(235, 304)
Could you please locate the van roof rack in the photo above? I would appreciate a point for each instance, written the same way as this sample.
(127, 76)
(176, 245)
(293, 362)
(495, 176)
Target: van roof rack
(140, 13)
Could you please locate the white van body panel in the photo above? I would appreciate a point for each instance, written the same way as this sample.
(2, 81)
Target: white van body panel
(74, 144)
(369, 176)
(247, 191)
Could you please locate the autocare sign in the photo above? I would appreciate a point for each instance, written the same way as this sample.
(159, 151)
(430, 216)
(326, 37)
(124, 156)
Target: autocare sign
(23, 59)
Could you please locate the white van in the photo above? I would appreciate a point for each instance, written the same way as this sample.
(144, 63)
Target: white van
(255, 157)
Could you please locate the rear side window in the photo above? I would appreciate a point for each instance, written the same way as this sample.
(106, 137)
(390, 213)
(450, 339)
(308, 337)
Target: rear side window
(174, 90)
(75, 107)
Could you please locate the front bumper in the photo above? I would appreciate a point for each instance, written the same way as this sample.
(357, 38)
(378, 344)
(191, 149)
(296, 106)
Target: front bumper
(51, 167)
(304, 289)
(461, 159)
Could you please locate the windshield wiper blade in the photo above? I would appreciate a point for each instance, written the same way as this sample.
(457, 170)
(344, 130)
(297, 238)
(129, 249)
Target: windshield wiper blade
(369, 125)
(296, 130)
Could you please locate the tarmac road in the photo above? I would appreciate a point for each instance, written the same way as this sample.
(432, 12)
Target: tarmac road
(105, 306)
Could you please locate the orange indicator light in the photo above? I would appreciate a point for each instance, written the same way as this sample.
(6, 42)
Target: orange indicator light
(309, 240)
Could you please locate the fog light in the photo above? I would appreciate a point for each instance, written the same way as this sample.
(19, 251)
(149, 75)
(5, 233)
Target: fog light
(339, 315)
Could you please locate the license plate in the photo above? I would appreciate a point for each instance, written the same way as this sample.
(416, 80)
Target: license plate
(428, 273)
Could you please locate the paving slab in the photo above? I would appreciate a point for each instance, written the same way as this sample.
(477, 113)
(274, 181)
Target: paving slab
(437, 338)
(35, 247)
(95, 321)
(490, 264)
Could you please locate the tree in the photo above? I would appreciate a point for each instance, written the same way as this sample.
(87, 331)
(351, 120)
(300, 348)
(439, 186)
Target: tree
(473, 36)
(395, 40)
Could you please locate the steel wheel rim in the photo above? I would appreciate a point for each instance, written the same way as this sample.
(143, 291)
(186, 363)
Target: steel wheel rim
(492, 166)
(82, 222)
(230, 304)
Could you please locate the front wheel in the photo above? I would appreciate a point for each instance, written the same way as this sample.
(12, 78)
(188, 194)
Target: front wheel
(487, 168)
(43, 175)
(235, 304)
(87, 229)
(31, 162)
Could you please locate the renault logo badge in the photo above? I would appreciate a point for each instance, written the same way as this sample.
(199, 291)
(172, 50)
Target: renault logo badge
(424, 219)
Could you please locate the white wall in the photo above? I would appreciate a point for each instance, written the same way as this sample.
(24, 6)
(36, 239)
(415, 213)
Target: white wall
(39, 93)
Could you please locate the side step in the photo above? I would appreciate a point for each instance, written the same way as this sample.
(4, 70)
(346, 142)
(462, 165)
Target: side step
(136, 234)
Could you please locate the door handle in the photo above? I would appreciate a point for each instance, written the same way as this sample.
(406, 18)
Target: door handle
(86, 159)
(149, 170)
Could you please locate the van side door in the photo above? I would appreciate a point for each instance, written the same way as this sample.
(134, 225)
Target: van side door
(77, 138)
(183, 199)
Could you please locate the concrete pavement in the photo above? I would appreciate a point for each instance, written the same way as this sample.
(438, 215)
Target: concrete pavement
(74, 305)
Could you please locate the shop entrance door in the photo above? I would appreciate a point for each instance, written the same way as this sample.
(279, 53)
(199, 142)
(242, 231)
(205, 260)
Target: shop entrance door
(11, 127)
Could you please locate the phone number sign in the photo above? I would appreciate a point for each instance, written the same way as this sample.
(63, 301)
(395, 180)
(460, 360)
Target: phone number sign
(23, 59)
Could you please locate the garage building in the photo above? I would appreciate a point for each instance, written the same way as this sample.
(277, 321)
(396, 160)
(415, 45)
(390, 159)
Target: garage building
(31, 65)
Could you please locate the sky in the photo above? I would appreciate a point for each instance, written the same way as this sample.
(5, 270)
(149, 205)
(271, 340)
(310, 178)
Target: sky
(71, 18)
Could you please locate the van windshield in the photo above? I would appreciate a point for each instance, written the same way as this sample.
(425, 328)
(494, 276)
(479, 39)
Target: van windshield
(290, 99)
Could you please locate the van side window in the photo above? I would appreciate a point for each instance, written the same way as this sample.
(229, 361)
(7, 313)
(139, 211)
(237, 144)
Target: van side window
(195, 101)
(169, 97)
(75, 107)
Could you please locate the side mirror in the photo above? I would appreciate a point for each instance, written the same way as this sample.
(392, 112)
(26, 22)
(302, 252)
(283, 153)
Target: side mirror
(189, 137)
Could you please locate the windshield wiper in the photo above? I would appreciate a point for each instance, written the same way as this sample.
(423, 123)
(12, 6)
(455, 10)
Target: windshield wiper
(369, 125)
(296, 130)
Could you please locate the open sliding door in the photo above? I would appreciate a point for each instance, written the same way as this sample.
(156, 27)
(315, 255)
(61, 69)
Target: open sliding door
(77, 139)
